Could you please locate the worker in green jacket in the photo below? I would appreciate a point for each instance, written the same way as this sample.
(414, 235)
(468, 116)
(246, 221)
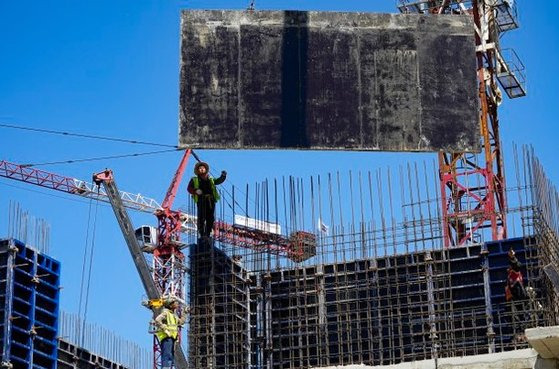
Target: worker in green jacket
(205, 195)
(167, 324)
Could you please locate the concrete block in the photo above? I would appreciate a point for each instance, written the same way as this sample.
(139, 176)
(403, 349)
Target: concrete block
(545, 340)
(328, 80)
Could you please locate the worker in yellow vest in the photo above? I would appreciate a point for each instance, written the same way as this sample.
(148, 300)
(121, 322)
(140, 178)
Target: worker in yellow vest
(205, 195)
(168, 323)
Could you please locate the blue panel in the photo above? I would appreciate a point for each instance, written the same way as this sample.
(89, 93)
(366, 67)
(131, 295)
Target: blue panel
(30, 297)
(499, 263)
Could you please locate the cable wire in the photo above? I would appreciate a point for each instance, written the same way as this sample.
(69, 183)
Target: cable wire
(82, 135)
(84, 263)
(98, 158)
(92, 249)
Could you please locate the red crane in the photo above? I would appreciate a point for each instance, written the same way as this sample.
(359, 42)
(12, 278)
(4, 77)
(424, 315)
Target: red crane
(166, 276)
(171, 222)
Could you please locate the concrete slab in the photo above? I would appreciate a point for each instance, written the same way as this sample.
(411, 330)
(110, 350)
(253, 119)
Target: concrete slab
(545, 340)
(328, 80)
(517, 359)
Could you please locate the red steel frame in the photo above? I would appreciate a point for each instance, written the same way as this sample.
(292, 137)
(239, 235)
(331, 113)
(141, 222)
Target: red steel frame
(168, 260)
(38, 177)
(258, 240)
(475, 193)
(169, 221)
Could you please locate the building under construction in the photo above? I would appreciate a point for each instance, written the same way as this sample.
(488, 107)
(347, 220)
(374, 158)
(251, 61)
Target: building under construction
(397, 270)
(377, 296)
(373, 291)
(33, 331)
(373, 268)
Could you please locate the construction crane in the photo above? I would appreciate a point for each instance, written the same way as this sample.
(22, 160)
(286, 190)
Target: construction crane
(473, 194)
(296, 247)
(166, 279)
(166, 276)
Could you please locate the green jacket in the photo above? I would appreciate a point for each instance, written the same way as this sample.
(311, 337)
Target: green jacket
(168, 325)
(196, 185)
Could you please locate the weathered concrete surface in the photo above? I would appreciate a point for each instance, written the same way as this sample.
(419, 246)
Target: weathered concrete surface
(324, 80)
(518, 359)
(545, 340)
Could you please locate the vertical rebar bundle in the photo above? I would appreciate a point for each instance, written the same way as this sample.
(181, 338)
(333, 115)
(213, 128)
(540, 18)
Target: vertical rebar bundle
(24, 227)
(103, 342)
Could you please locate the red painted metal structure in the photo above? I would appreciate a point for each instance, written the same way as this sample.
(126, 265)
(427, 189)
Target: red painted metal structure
(168, 269)
(473, 193)
(170, 222)
(298, 247)
(73, 186)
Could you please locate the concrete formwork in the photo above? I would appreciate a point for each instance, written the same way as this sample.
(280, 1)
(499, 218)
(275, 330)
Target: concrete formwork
(29, 301)
(71, 356)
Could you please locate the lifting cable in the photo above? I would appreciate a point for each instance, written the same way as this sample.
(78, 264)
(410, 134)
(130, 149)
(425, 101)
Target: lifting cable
(78, 326)
(99, 158)
(85, 281)
(107, 138)
(83, 135)
(90, 268)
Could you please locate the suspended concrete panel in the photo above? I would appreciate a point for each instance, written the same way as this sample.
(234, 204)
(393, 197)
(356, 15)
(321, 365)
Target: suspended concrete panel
(317, 80)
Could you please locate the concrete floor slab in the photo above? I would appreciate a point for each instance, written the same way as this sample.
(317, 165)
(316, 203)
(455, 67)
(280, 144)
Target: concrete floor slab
(545, 340)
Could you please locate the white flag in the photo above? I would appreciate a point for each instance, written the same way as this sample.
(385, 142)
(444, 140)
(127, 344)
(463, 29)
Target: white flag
(323, 228)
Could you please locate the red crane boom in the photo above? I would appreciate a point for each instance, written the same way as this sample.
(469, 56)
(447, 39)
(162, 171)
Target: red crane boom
(298, 246)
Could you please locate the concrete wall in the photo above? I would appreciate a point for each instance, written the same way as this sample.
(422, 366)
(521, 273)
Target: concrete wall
(326, 80)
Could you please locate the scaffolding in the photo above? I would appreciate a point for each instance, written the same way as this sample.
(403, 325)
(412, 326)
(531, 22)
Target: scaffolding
(378, 291)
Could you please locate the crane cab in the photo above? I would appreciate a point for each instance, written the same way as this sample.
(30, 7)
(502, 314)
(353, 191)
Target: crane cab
(147, 238)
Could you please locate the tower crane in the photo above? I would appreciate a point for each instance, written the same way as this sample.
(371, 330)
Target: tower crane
(173, 220)
(166, 276)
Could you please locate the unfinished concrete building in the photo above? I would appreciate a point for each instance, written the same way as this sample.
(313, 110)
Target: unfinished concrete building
(375, 293)
(33, 331)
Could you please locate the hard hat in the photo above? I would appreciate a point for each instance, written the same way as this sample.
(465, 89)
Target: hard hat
(199, 164)
(168, 302)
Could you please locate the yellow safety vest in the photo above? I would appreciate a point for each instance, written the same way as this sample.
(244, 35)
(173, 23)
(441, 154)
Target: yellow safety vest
(172, 329)
(196, 183)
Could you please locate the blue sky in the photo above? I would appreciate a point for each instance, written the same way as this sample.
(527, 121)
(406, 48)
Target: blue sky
(111, 68)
